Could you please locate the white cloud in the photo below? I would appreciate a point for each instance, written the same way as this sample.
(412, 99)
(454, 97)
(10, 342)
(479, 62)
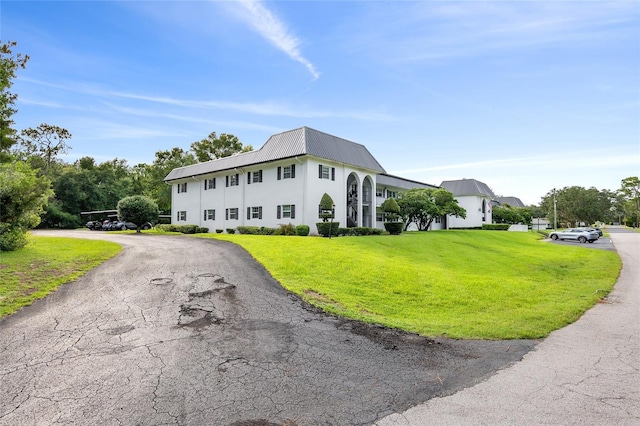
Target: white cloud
(269, 26)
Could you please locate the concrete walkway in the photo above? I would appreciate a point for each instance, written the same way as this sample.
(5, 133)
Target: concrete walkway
(587, 373)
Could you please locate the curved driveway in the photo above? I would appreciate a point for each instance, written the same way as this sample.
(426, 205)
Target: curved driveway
(178, 330)
(587, 373)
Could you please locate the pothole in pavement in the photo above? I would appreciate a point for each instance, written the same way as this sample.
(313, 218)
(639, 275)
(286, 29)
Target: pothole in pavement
(200, 310)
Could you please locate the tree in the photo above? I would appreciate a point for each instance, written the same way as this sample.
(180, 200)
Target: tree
(151, 177)
(393, 216)
(138, 209)
(512, 215)
(326, 207)
(630, 191)
(423, 205)
(214, 146)
(576, 205)
(23, 195)
(9, 63)
(45, 141)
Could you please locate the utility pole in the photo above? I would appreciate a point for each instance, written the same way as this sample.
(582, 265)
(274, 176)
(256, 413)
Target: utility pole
(555, 210)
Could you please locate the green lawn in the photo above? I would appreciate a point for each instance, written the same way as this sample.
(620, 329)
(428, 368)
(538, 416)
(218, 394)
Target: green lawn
(460, 284)
(45, 263)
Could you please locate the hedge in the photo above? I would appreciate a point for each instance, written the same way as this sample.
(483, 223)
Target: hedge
(496, 226)
(184, 229)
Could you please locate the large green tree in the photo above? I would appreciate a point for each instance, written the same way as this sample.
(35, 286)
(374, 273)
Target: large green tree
(576, 205)
(630, 191)
(512, 215)
(23, 195)
(422, 206)
(214, 146)
(9, 64)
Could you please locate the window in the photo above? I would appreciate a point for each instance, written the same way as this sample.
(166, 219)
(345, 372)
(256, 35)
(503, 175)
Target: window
(326, 172)
(182, 187)
(210, 214)
(182, 215)
(287, 172)
(254, 213)
(210, 183)
(392, 194)
(379, 192)
(286, 211)
(379, 217)
(254, 176)
(233, 180)
(231, 214)
(438, 219)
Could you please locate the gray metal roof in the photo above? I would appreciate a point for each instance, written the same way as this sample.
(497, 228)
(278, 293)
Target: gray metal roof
(292, 143)
(467, 187)
(512, 201)
(398, 182)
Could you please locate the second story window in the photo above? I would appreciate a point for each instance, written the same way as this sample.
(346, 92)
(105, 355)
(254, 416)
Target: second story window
(182, 187)
(233, 180)
(326, 172)
(210, 183)
(254, 176)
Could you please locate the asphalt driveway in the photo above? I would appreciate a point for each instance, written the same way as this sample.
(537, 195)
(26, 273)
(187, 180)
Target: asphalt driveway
(178, 330)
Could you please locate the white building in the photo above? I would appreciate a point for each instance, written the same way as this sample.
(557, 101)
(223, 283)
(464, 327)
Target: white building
(283, 182)
(473, 196)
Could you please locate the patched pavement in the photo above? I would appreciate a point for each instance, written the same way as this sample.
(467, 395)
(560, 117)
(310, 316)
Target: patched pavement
(187, 331)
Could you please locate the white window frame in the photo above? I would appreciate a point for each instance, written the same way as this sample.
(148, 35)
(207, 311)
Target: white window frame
(286, 172)
(233, 213)
(286, 211)
(182, 187)
(182, 216)
(210, 214)
(326, 172)
(210, 183)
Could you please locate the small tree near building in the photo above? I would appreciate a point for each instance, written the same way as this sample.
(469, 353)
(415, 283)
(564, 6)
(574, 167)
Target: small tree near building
(393, 223)
(138, 209)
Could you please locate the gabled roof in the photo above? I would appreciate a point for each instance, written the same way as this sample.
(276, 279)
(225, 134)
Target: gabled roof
(398, 182)
(512, 201)
(467, 187)
(292, 143)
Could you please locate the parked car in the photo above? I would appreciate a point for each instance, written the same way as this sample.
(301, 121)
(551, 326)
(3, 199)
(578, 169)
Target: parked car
(574, 234)
(591, 230)
(122, 226)
(94, 225)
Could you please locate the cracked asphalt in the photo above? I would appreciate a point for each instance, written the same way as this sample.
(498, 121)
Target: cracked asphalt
(587, 373)
(185, 331)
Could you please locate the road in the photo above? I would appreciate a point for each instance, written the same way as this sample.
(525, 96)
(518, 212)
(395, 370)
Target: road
(587, 373)
(186, 331)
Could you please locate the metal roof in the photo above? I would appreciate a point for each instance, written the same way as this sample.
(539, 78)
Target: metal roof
(512, 201)
(467, 187)
(398, 182)
(292, 143)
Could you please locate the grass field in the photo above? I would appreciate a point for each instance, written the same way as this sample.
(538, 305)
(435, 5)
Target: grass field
(45, 263)
(460, 284)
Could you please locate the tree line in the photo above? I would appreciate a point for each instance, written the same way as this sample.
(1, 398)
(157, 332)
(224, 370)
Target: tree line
(38, 188)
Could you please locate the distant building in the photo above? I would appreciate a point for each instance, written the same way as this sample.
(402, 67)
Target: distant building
(512, 201)
(475, 197)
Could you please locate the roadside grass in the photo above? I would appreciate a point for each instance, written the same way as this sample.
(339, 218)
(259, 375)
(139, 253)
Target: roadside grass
(459, 284)
(44, 264)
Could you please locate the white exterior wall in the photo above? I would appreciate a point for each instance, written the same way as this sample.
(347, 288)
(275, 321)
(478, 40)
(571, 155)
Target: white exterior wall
(473, 205)
(304, 191)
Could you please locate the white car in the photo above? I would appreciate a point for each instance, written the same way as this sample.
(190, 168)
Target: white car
(574, 234)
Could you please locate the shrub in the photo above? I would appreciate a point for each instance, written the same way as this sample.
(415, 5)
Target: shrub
(302, 230)
(138, 209)
(394, 228)
(287, 229)
(252, 230)
(231, 231)
(496, 226)
(326, 208)
(327, 228)
(219, 231)
(267, 231)
(201, 230)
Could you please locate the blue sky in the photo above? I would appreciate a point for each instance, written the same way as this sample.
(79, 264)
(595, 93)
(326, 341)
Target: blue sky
(524, 96)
